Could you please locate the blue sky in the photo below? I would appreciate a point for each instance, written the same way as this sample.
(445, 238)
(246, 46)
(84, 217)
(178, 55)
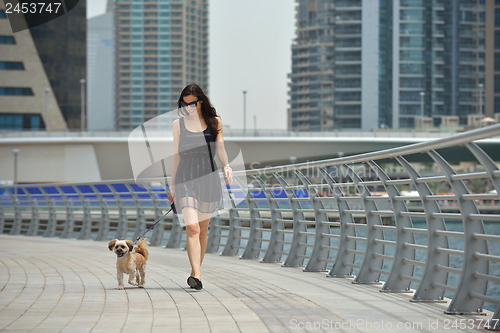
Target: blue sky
(250, 49)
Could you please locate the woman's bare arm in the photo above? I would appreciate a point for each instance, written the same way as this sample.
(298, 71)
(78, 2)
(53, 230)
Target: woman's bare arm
(175, 157)
(221, 152)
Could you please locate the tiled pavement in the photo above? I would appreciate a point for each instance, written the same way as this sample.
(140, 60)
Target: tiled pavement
(52, 285)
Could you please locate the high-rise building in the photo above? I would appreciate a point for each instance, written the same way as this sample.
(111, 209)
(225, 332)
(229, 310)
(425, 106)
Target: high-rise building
(101, 71)
(40, 72)
(492, 60)
(393, 62)
(311, 87)
(161, 46)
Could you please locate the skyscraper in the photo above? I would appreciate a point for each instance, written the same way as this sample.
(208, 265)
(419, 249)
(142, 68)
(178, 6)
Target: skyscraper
(161, 46)
(41, 69)
(393, 61)
(101, 71)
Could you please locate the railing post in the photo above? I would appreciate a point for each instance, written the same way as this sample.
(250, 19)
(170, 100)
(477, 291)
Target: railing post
(2, 219)
(399, 267)
(51, 227)
(427, 291)
(69, 225)
(275, 247)
(462, 302)
(254, 244)
(35, 216)
(18, 218)
(174, 240)
(234, 235)
(344, 260)
(319, 253)
(102, 234)
(214, 235)
(488, 164)
(86, 218)
(371, 263)
(122, 228)
(297, 252)
(140, 219)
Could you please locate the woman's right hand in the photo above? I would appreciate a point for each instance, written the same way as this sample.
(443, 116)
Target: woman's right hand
(170, 196)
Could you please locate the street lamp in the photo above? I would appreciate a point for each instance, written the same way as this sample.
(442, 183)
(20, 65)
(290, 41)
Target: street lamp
(422, 96)
(46, 114)
(82, 100)
(16, 152)
(244, 111)
(481, 86)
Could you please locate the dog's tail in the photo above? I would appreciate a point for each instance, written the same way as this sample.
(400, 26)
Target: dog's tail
(142, 247)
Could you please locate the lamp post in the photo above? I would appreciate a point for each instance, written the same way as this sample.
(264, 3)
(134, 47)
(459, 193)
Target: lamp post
(244, 111)
(422, 97)
(16, 152)
(481, 86)
(46, 114)
(82, 100)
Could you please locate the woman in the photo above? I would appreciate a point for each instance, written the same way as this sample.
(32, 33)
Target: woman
(196, 187)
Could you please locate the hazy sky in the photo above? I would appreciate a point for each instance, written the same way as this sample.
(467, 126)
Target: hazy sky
(250, 49)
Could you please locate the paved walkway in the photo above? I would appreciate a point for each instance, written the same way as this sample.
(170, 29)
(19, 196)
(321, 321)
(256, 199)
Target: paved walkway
(51, 285)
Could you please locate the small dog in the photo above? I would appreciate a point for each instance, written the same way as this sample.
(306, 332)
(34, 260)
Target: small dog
(130, 263)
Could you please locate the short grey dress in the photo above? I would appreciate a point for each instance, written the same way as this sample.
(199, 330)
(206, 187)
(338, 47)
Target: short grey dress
(197, 181)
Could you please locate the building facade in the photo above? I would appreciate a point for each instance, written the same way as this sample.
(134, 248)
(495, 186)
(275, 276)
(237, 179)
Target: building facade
(492, 60)
(40, 72)
(397, 61)
(101, 72)
(160, 46)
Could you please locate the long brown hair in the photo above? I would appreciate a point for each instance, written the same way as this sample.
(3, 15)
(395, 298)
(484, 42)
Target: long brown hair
(207, 110)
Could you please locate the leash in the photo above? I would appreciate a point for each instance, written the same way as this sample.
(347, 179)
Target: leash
(172, 207)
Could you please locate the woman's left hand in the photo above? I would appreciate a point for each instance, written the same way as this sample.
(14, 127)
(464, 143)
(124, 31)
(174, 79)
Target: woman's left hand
(228, 173)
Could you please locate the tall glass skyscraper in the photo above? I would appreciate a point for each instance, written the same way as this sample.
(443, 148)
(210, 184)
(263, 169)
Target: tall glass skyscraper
(161, 46)
(392, 61)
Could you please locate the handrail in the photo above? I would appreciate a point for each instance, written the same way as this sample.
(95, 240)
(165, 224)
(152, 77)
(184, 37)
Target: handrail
(403, 228)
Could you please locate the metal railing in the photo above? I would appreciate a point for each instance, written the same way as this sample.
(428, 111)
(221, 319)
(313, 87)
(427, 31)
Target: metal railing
(403, 216)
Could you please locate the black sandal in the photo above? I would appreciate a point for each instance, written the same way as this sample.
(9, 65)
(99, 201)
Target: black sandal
(194, 283)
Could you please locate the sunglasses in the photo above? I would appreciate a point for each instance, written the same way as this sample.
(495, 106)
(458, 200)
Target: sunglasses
(194, 103)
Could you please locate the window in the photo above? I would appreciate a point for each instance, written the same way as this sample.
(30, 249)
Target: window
(2, 14)
(11, 65)
(497, 39)
(20, 121)
(15, 91)
(497, 84)
(7, 40)
(497, 61)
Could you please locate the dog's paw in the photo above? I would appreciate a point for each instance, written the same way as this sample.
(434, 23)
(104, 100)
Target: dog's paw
(120, 287)
(132, 283)
(141, 286)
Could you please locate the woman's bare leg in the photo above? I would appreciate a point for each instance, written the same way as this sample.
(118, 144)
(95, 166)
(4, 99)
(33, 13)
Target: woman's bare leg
(203, 235)
(193, 245)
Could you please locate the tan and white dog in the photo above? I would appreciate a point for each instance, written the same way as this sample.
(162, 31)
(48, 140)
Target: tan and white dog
(129, 262)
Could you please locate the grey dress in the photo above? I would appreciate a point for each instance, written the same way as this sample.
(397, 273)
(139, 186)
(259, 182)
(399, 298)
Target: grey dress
(197, 181)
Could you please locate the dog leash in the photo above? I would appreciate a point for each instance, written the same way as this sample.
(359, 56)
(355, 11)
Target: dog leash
(172, 207)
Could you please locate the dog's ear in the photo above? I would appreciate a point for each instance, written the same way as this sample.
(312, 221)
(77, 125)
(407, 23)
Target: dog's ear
(130, 245)
(111, 244)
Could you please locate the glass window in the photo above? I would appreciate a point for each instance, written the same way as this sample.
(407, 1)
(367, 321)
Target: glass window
(497, 61)
(497, 39)
(497, 84)
(2, 14)
(411, 28)
(411, 55)
(7, 40)
(497, 17)
(497, 105)
(11, 65)
(16, 91)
